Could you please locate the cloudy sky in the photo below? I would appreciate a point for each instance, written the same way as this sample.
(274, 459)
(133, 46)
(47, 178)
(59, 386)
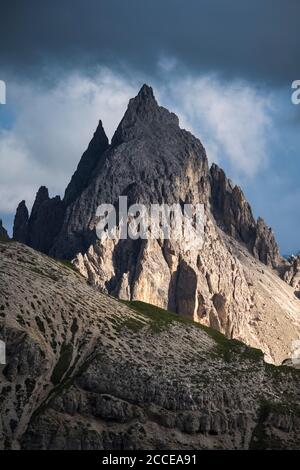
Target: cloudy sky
(224, 66)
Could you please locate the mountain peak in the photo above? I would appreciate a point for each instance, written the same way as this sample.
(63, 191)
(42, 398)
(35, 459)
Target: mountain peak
(143, 112)
(146, 92)
(144, 101)
(89, 160)
(100, 133)
(20, 230)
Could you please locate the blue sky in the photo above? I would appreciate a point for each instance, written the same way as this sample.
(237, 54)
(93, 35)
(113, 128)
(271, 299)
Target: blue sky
(225, 67)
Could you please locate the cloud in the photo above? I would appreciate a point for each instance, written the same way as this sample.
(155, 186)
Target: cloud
(52, 129)
(54, 125)
(48, 128)
(18, 175)
(233, 120)
(251, 40)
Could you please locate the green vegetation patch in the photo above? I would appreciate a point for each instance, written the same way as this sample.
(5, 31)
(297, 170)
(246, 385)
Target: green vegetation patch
(231, 349)
(228, 349)
(63, 364)
(262, 437)
(21, 320)
(67, 264)
(38, 271)
(66, 382)
(74, 328)
(281, 372)
(160, 319)
(4, 239)
(40, 325)
(131, 324)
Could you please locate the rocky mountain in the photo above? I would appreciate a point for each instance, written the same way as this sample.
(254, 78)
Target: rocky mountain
(232, 284)
(86, 371)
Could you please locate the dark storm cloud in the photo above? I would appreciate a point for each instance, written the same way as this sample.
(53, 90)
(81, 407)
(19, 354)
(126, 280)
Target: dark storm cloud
(257, 39)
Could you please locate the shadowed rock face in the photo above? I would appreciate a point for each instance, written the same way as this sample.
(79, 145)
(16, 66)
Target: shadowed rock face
(85, 371)
(234, 215)
(45, 221)
(20, 230)
(152, 160)
(89, 161)
(3, 233)
(292, 274)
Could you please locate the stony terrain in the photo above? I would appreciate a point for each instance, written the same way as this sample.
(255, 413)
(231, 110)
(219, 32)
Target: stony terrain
(237, 283)
(86, 371)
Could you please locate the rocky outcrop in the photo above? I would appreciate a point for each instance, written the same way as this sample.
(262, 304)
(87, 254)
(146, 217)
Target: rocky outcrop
(85, 371)
(292, 274)
(230, 208)
(234, 215)
(264, 245)
(20, 230)
(45, 220)
(92, 158)
(3, 233)
(41, 228)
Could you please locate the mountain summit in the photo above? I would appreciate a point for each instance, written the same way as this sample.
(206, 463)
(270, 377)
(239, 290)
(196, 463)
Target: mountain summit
(89, 161)
(232, 284)
(144, 114)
